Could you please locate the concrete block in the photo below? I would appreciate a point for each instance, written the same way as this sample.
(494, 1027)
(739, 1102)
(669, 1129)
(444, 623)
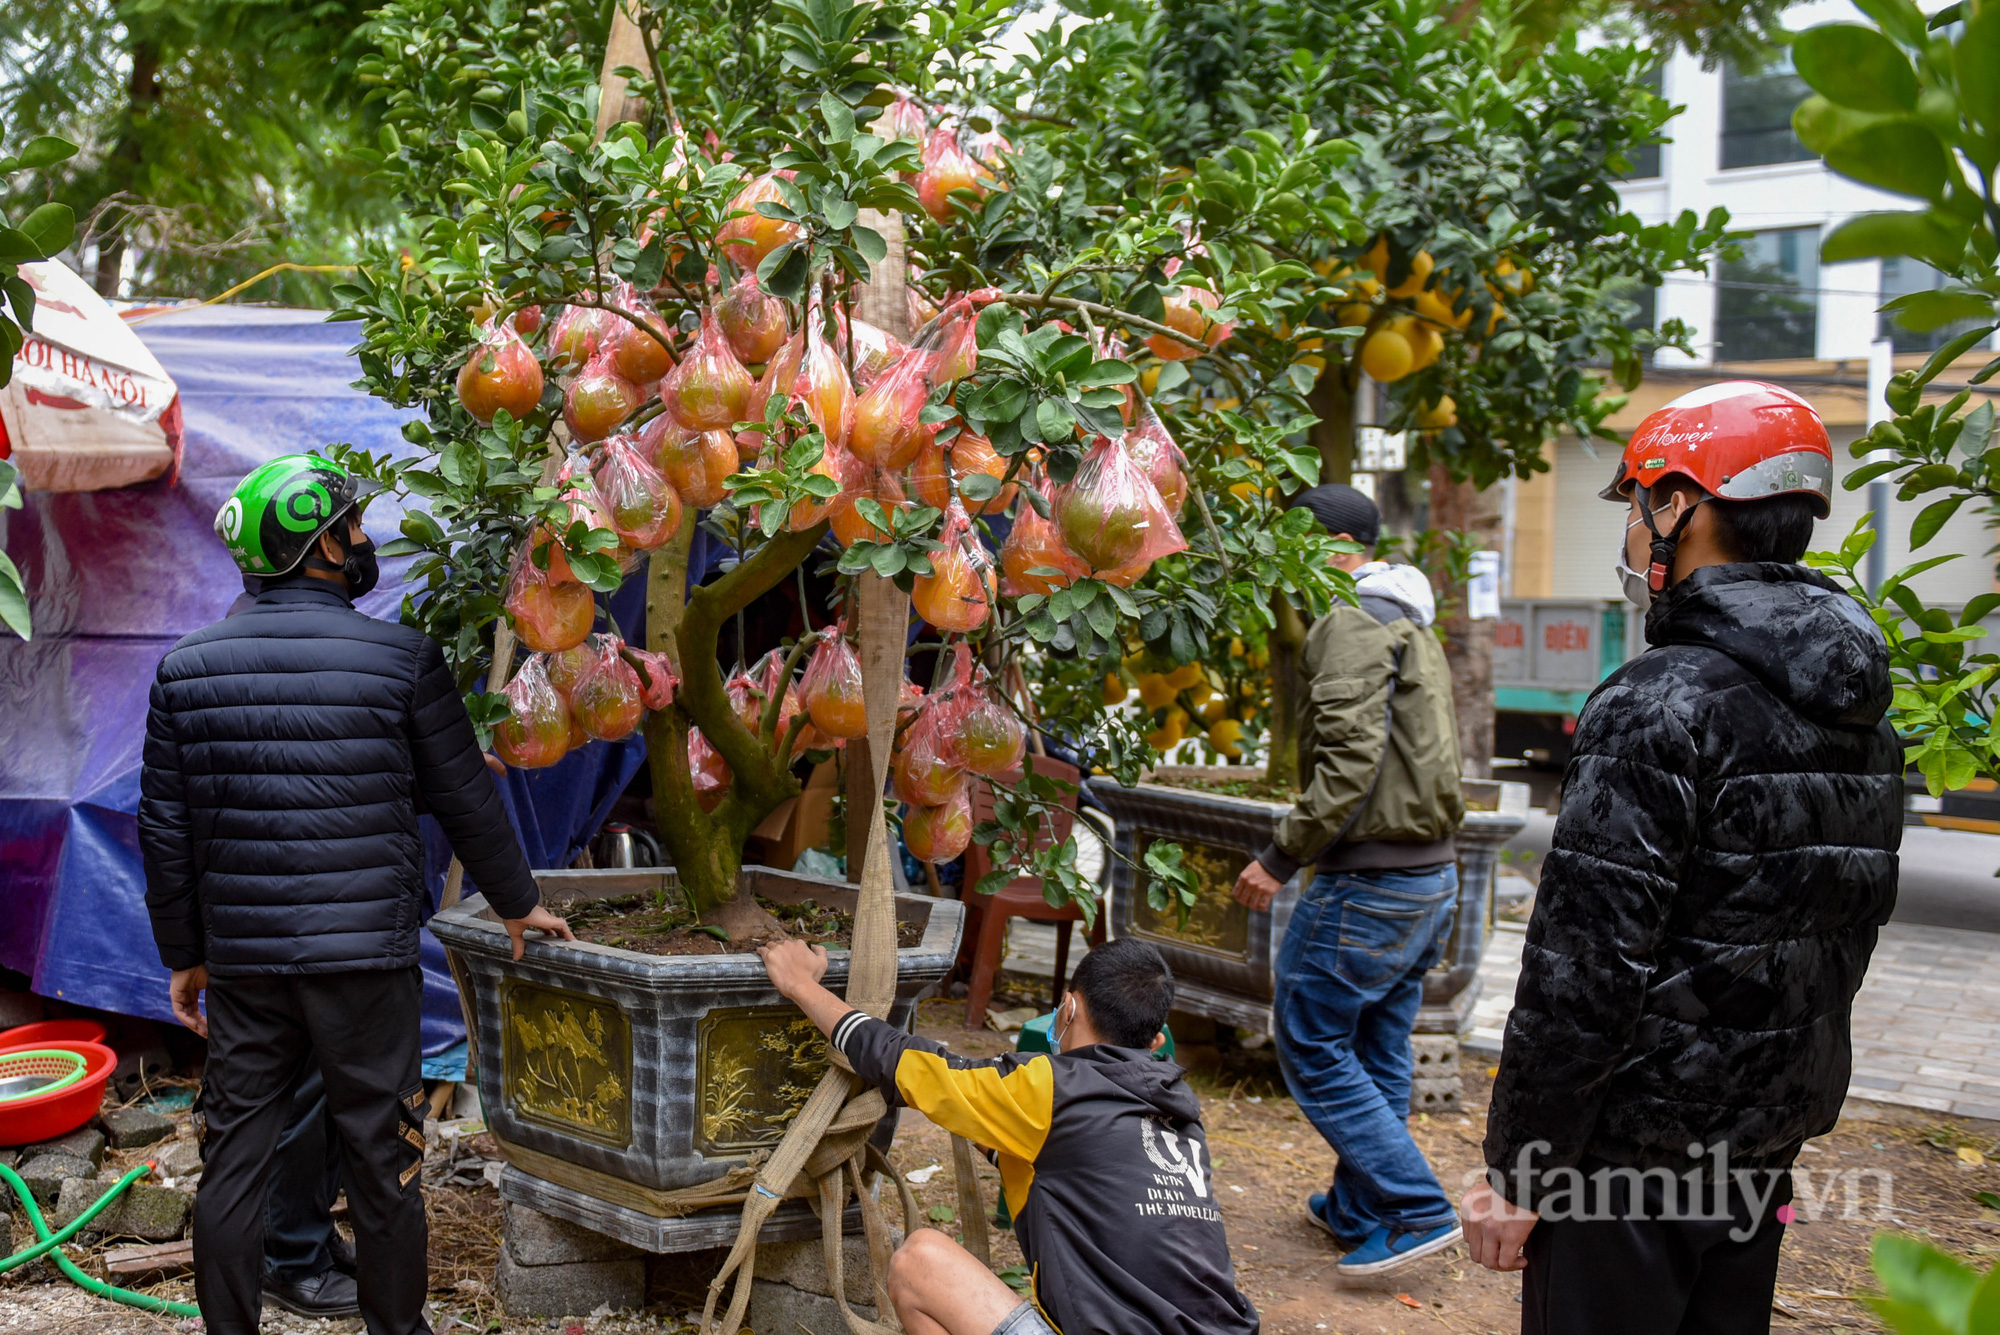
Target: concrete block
(802, 1265)
(155, 1214)
(574, 1289)
(537, 1239)
(83, 1143)
(180, 1158)
(1434, 1056)
(780, 1307)
(1436, 1096)
(46, 1173)
(132, 1128)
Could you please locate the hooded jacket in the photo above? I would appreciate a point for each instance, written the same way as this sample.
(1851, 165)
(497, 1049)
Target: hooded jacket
(289, 751)
(1380, 777)
(1105, 1169)
(1724, 856)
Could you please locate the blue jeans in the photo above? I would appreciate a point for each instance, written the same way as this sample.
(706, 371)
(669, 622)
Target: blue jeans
(1350, 979)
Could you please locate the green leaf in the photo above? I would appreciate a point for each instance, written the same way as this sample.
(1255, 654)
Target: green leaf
(1855, 66)
(1901, 156)
(1917, 233)
(1976, 57)
(44, 151)
(785, 270)
(1950, 353)
(50, 228)
(1867, 473)
(1932, 518)
(870, 243)
(942, 1214)
(1935, 308)
(1978, 430)
(13, 599)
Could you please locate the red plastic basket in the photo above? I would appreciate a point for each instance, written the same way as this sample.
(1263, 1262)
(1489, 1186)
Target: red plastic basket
(52, 1033)
(46, 1116)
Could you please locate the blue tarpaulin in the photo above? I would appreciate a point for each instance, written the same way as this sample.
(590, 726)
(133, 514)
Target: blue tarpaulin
(115, 578)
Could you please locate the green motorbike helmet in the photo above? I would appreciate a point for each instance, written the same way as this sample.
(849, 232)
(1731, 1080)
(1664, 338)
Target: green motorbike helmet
(277, 513)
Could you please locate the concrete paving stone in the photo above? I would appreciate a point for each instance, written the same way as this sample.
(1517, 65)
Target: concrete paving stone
(1860, 1081)
(83, 1143)
(131, 1128)
(1954, 1071)
(45, 1174)
(1967, 1108)
(1901, 1097)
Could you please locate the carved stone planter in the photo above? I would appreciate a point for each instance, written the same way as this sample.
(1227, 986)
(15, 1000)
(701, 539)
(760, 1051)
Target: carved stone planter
(613, 1078)
(1223, 959)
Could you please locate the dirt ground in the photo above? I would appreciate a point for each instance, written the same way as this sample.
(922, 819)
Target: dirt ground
(1880, 1168)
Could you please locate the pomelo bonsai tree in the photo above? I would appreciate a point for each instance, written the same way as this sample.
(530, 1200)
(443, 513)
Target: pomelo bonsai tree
(621, 322)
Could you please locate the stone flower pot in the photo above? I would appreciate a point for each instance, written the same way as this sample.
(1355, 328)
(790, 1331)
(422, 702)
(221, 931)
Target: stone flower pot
(612, 1078)
(1223, 959)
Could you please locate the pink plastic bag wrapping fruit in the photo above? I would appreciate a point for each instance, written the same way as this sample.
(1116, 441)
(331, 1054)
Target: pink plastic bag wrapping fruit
(969, 453)
(823, 388)
(501, 374)
(696, 463)
(645, 509)
(949, 344)
(888, 429)
(1154, 450)
(1111, 516)
(709, 771)
(850, 523)
(831, 687)
(754, 323)
(947, 168)
(708, 389)
(1033, 557)
(577, 334)
(990, 736)
(547, 615)
(642, 357)
(953, 597)
(939, 833)
(928, 769)
(606, 699)
(746, 240)
(535, 733)
(875, 349)
(599, 399)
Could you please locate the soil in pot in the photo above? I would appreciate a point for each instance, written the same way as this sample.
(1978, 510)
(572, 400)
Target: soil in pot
(651, 926)
(1255, 787)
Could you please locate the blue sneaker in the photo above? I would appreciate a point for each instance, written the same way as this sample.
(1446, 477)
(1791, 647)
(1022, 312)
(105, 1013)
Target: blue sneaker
(1316, 1205)
(1386, 1250)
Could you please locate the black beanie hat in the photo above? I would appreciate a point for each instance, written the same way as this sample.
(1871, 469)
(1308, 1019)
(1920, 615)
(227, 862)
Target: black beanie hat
(1342, 509)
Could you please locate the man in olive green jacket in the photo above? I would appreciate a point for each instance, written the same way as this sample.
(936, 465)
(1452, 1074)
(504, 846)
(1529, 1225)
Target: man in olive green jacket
(1378, 755)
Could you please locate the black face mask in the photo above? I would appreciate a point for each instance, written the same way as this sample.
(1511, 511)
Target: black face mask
(358, 567)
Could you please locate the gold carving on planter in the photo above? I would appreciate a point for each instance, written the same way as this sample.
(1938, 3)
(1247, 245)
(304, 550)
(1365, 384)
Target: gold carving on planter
(1217, 923)
(754, 1068)
(566, 1061)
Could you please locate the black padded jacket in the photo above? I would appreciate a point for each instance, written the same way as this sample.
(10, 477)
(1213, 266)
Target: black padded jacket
(289, 751)
(1724, 856)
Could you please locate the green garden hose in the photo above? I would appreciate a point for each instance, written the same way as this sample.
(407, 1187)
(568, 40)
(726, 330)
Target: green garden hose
(50, 1244)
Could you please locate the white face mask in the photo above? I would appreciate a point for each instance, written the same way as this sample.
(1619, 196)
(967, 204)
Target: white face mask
(1638, 591)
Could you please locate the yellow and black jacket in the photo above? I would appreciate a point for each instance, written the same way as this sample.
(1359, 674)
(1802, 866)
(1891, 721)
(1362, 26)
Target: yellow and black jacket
(1105, 1168)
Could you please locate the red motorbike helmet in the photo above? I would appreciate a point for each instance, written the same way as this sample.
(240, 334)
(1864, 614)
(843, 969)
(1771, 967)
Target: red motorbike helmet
(1740, 440)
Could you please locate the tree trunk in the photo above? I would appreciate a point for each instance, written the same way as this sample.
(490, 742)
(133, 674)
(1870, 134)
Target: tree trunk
(1468, 644)
(1332, 400)
(142, 94)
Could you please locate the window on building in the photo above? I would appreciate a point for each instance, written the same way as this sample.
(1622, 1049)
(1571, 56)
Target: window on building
(1646, 158)
(1767, 303)
(1757, 114)
(1901, 276)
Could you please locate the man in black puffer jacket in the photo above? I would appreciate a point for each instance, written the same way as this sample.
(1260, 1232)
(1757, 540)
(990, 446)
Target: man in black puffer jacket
(289, 750)
(1724, 857)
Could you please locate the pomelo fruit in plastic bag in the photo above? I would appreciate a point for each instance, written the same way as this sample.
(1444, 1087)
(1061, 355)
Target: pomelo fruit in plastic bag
(606, 699)
(645, 509)
(547, 616)
(822, 386)
(831, 688)
(947, 167)
(949, 343)
(535, 733)
(501, 374)
(953, 596)
(849, 524)
(748, 239)
(754, 323)
(578, 333)
(708, 389)
(599, 400)
(1032, 545)
(709, 771)
(1154, 450)
(926, 775)
(970, 453)
(642, 358)
(990, 737)
(939, 833)
(697, 463)
(875, 350)
(1111, 516)
(1187, 312)
(888, 431)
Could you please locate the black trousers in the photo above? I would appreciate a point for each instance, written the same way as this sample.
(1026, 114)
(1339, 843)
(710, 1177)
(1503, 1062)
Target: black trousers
(264, 1032)
(1640, 1273)
(298, 1226)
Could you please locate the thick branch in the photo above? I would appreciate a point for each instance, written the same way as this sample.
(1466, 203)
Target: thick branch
(702, 693)
(767, 723)
(1031, 301)
(636, 322)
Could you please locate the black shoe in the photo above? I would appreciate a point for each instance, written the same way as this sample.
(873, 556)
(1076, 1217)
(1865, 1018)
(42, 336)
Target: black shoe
(330, 1294)
(342, 1253)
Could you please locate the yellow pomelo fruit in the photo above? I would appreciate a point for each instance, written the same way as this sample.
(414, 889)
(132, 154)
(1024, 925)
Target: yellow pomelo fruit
(1387, 356)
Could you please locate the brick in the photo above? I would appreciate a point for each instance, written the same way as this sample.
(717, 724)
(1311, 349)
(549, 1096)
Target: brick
(83, 1143)
(576, 1288)
(537, 1239)
(779, 1307)
(132, 1128)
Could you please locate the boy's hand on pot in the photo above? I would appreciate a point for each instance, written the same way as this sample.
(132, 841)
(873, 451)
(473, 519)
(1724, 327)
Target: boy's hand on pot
(538, 919)
(793, 964)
